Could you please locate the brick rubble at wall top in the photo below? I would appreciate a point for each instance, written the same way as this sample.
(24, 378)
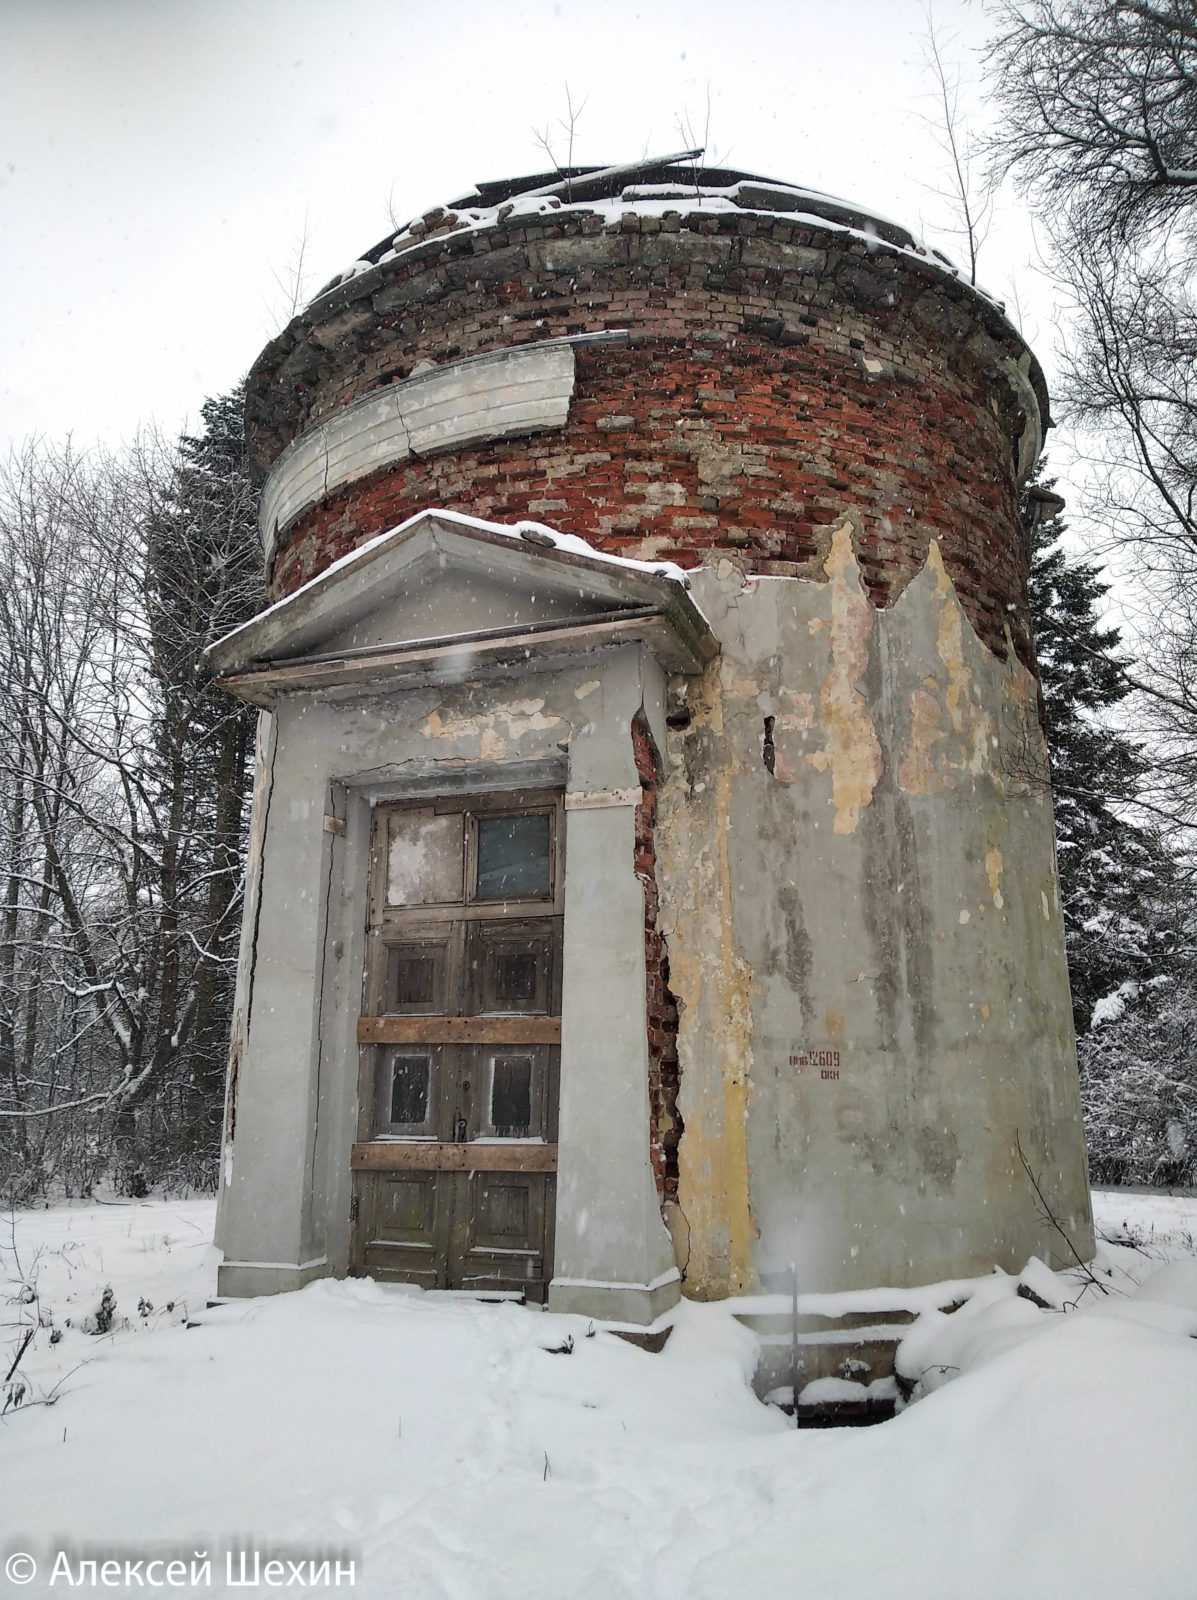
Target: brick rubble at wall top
(867, 261)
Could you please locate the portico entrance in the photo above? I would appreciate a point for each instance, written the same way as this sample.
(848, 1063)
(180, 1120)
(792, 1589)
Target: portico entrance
(441, 1055)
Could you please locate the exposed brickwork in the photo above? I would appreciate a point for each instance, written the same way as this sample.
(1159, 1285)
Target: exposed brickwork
(776, 374)
(661, 1006)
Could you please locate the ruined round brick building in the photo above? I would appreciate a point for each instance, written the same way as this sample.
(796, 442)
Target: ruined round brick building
(668, 517)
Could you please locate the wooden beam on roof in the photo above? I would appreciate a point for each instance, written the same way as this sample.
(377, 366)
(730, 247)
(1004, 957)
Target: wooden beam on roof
(592, 185)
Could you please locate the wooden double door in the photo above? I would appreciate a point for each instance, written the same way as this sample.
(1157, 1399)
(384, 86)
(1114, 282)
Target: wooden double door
(456, 1157)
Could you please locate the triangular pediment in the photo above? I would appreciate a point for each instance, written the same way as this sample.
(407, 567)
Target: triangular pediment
(443, 580)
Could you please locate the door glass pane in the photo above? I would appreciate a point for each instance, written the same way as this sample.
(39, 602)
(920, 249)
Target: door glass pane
(409, 1088)
(511, 1096)
(513, 857)
(424, 858)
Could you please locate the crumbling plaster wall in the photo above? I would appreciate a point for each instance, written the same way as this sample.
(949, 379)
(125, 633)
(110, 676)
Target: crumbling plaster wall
(859, 897)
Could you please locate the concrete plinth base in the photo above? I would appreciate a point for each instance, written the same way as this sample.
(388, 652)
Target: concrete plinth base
(237, 1279)
(640, 1303)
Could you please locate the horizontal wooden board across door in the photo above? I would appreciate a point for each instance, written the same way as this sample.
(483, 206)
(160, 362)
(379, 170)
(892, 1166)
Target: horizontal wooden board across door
(471, 1157)
(459, 1030)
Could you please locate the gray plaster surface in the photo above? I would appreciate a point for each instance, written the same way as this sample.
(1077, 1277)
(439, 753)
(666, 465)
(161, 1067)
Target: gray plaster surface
(860, 900)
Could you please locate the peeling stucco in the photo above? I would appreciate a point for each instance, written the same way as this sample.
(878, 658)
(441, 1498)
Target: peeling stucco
(712, 983)
(852, 751)
(953, 736)
(517, 718)
(872, 981)
(993, 870)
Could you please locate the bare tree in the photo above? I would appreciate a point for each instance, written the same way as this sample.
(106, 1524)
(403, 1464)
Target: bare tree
(569, 127)
(1100, 112)
(1099, 129)
(122, 789)
(967, 193)
(60, 1015)
(293, 280)
(705, 153)
(1129, 381)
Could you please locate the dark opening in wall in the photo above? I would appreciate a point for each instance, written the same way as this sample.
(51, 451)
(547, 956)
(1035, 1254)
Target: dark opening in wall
(768, 750)
(664, 1074)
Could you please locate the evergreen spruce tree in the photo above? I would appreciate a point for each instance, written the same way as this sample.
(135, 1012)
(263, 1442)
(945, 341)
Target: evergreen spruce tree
(202, 576)
(1105, 862)
(1125, 916)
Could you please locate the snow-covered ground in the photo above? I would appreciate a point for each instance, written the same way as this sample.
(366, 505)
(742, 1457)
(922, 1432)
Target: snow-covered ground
(451, 1449)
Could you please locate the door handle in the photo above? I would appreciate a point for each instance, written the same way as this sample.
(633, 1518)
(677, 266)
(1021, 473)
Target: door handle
(459, 1132)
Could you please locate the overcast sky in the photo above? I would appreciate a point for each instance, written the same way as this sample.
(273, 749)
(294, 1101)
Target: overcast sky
(158, 158)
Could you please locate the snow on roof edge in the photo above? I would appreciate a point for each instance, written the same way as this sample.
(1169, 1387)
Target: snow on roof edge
(569, 543)
(866, 224)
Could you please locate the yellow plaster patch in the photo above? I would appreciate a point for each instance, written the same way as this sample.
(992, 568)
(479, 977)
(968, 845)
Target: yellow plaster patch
(852, 752)
(952, 735)
(714, 985)
(584, 689)
(950, 642)
(516, 718)
(918, 772)
(993, 869)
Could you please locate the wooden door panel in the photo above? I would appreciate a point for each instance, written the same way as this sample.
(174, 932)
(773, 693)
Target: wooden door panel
(455, 1161)
(418, 975)
(505, 1236)
(404, 1227)
(512, 967)
(512, 1099)
(506, 1211)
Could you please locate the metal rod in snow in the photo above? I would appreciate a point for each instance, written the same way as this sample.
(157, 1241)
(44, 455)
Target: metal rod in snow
(796, 1360)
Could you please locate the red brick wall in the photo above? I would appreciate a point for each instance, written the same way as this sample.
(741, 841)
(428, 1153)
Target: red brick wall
(775, 376)
(661, 1006)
